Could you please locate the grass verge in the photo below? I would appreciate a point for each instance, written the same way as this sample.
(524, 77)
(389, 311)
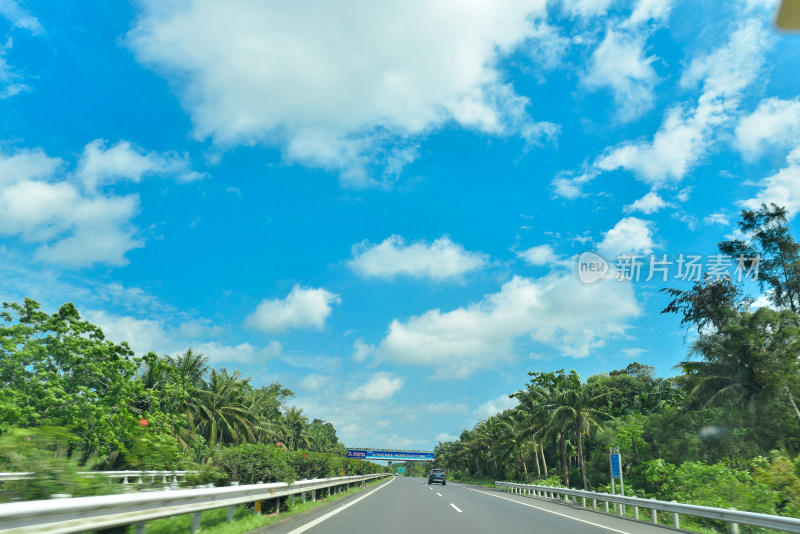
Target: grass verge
(244, 518)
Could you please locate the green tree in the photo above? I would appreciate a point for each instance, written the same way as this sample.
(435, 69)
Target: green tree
(778, 263)
(60, 370)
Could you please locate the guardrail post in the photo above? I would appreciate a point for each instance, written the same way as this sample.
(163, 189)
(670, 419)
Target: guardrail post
(195, 522)
(675, 520)
(313, 495)
(229, 514)
(606, 503)
(583, 501)
(278, 506)
(291, 499)
(734, 526)
(653, 513)
(594, 502)
(141, 528)
(636, 512)
(303, 497)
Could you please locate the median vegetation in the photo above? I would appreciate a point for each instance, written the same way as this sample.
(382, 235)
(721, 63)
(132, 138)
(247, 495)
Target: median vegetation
(723, 432)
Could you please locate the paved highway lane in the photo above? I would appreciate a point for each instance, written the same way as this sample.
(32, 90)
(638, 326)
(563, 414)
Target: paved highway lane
(409, 505)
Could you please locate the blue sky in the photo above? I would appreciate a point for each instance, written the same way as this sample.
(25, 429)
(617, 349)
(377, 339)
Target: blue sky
(382, 205)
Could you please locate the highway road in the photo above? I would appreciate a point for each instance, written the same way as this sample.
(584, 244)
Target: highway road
(410, 505)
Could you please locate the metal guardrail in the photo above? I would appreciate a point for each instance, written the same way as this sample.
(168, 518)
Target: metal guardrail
(125, 477)
(731, 516)
(81, 514)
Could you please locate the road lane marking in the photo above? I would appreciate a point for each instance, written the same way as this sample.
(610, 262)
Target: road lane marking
(334, 512)
(456, 507)
(439, 494)
(548, 511)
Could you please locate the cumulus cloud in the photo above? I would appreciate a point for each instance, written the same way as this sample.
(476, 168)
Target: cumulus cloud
(650, 203)
(628, 235)
(100, 165)
(302, 308)
(775, 122)
(439, 260)
(314, 382)
(445, 408)
(155, 335)
(20, 17)
(620, 64)
(716, 218)
(46, 204)
(685, 133)
(782, 188)
(254, 73)
(539, 255)
(380, 386)
(556, 310)
(495, 406)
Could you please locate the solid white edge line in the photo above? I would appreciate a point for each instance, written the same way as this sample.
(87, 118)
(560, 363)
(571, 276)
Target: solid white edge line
(549, 511)
(456, 507)
(330, 514)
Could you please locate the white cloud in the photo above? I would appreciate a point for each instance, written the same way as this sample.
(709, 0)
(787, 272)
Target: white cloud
(650, 203)
(69, 226)
(380, 386)
(717, 218)
(20, 17)
(586, 8)
(99, 165)
(775, 122)
(647, 10)
(445, 408)
(556, 310)
(302, 308)
(439, 260)
(362, 350)
(151, 335)
(46, 204)
(11, 79)
(628, 235)
(443, 437)
(392, 72)
(685, 134)
(314, 382)
(782, 188)
(242, 353)
(620, 64)
(495, 406)
(571, 186)
(539, 255)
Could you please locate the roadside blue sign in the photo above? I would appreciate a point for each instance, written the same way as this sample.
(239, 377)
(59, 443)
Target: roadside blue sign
(616, 472)
(356, 454)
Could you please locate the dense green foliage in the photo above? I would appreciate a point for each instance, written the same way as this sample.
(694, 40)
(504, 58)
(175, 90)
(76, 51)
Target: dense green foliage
(724, 432)
(72, 400)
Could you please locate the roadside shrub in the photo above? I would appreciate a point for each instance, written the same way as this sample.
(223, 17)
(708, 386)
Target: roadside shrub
(255, 462)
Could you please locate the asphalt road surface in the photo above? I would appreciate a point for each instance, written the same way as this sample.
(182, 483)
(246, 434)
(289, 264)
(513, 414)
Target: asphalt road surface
(410, 505)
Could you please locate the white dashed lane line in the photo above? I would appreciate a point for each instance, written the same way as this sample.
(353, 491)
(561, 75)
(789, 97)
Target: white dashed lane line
(456, 507)
(439, 494)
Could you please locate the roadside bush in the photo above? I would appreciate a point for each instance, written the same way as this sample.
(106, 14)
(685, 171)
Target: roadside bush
(256, 462)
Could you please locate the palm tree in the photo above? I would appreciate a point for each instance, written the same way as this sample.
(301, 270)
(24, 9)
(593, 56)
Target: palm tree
(295, 423)
(574, 408)
(220, 414)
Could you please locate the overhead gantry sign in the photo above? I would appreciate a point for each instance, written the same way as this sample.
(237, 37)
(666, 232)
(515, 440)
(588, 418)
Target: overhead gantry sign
(390, 454)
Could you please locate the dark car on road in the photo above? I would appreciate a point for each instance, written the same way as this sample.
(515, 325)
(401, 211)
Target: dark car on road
(437, 475)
